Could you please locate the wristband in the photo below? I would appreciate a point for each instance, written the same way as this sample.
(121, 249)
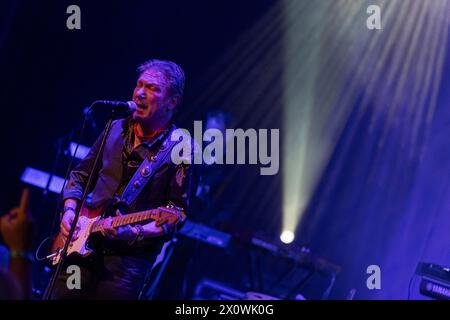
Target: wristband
(65, 209)
(68, 209)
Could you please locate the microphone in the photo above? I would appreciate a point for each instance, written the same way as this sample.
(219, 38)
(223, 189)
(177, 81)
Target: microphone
(117, 106)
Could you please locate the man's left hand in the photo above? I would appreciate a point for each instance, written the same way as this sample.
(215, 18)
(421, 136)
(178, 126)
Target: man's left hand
(126, 233)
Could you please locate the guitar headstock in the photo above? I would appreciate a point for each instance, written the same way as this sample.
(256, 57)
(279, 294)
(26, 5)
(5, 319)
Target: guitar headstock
(170, 214)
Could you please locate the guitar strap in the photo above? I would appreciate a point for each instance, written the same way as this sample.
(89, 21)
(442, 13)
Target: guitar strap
(146, 170)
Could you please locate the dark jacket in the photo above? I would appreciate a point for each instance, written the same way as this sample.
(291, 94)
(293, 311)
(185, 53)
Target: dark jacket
(170, 184)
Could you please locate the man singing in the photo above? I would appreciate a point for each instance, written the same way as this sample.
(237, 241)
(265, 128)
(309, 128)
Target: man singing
(119, 268)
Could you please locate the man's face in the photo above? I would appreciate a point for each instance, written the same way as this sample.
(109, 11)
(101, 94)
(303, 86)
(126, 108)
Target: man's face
(152, 97)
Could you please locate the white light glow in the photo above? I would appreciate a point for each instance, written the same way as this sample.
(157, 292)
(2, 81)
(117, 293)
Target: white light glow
(287, 236)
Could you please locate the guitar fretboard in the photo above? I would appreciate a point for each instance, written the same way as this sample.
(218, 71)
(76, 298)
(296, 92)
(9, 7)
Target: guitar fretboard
(131, 218)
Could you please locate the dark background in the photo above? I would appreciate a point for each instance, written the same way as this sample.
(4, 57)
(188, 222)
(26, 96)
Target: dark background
(382, 197)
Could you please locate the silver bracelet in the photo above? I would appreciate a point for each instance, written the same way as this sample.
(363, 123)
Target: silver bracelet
(65, 209)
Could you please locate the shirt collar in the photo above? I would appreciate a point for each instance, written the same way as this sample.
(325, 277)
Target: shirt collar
(157, 138)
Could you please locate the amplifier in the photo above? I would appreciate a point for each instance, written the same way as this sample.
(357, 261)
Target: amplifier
(435, 281)
(433, 271)
(434, 289)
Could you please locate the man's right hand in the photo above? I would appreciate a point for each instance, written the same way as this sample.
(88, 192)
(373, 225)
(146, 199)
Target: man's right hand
(66, 223)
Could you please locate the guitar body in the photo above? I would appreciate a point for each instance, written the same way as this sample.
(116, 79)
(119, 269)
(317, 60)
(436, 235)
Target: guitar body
(79, 246)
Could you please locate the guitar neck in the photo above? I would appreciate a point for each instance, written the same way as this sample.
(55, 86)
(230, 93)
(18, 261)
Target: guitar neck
(120, 221)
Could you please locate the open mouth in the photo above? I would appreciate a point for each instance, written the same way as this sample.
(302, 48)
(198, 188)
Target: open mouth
(141, 106)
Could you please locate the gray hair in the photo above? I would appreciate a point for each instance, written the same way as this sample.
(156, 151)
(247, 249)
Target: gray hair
(172, 72)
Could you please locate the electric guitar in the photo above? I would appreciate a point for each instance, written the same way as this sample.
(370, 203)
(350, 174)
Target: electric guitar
(91, 222)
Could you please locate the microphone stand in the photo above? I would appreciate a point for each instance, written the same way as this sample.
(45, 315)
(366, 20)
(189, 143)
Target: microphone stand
(52, 282)
(60, 145)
